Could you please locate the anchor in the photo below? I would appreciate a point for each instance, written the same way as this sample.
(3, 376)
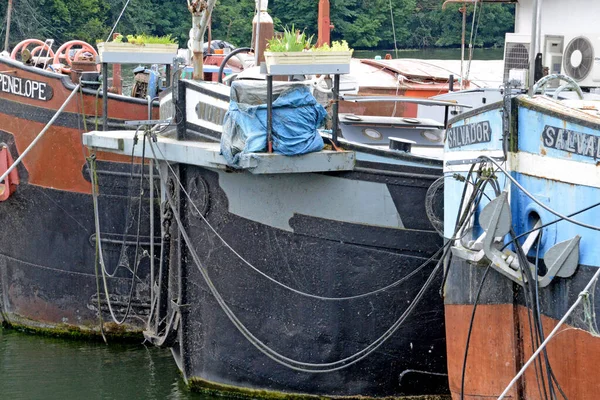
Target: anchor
(495, 219)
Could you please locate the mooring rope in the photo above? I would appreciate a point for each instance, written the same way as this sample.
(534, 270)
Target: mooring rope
(241, 258)
(262, 347)
(118, 19)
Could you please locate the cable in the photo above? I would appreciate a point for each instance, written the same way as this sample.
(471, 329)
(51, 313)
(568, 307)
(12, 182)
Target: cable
(552, 223)
(530, 306)
(100, 258)
(551, 376)
(392, 285)
(471, 323)
(545, 207)
(272, 354)
(118, 19)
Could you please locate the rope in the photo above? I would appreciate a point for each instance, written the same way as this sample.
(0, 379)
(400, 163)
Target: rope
(241, 258)
(437, 224)
(393, 28)
(266, 350)
(40, 135)
(473, 31)
(100, 253)
(539, 203)
(118, 19)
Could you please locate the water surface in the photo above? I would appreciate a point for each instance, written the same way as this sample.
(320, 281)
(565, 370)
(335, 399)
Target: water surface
(33, 367)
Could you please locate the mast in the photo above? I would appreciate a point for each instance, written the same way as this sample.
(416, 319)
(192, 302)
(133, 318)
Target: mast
(8, 15)
(201, 12)
(462, 45)
(325, 26)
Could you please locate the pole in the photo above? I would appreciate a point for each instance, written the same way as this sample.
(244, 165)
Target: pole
(335, 111)
(8, 15)
(462, 46)
(197, 50)
(257, 39)
(532, 46)
(201, 13)
(324, 23)
(104, 96)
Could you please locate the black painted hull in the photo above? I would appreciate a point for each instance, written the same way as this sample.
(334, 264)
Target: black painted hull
(48, 281)
(316, 255)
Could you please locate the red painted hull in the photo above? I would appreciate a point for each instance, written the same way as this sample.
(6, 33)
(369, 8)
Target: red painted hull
(47, 251)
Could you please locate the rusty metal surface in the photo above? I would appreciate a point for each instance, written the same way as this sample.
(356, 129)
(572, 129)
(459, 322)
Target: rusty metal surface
(500, 343)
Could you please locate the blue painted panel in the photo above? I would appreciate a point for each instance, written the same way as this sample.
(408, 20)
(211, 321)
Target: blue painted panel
(531, 137)
(453, 190)
(566, 199)
(494, 117)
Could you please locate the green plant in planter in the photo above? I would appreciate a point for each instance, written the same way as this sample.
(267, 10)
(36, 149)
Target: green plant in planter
(335, 46)
(145, 39)
(290, 41)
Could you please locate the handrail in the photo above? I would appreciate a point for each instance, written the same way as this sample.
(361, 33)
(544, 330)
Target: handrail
(40, 135)
(402, 99)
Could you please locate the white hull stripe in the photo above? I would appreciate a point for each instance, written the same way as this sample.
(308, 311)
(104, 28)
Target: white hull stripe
(572, 172)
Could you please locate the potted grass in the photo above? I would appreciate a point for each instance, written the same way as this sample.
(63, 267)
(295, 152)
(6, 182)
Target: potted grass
(294, 48)
(161, 49)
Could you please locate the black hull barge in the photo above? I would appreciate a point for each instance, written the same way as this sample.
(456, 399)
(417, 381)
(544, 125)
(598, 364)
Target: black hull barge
(313, 275)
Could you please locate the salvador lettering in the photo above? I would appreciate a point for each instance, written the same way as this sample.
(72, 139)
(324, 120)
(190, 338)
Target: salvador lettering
(25, 87)
(465, 135)
(579, 143)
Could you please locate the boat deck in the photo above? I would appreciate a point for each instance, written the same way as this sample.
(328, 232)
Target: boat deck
(208, 154)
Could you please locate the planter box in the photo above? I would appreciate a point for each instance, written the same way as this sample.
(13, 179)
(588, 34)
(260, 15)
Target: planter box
(127, 53)
(311, 62)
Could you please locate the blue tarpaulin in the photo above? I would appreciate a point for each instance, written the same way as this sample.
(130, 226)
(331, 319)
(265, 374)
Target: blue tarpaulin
(296, 117)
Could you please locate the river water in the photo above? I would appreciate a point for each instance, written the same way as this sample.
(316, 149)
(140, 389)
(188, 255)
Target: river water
(33, 367)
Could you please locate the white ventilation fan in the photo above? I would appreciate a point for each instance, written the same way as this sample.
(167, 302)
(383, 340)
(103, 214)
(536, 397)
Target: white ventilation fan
(579, 58)
(580, 62)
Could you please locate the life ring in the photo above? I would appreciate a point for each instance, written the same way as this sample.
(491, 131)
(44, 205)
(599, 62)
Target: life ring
(63, 52)
(24, 44)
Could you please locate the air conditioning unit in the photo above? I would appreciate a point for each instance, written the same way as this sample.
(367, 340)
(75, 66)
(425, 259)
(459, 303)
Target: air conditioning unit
(516, 54)
(553, 53)
(581, 59)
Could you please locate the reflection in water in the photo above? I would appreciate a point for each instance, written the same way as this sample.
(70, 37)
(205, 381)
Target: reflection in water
(33, 367)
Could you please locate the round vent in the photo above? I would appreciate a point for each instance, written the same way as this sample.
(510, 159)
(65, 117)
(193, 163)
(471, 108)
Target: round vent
(579, 58)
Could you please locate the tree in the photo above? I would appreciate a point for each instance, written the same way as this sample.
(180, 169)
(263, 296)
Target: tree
(363, 23)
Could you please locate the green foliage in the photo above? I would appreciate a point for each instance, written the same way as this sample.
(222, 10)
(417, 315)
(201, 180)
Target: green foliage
(335, 46)
(363, 24)
(145, 39)
(291, 40)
